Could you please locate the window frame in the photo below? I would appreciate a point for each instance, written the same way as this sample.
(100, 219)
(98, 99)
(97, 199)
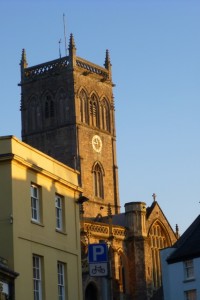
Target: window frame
(190, 294)
(188, 269)
(105, 115)
(37, 277)
(59, 211)
(35, 204)
(98, 181)
(61, 280)
(83, 107)
(49, 109)
(158, 240)
(93, 112)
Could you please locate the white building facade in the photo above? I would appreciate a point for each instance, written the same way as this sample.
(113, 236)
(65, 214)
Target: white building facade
(181, 266)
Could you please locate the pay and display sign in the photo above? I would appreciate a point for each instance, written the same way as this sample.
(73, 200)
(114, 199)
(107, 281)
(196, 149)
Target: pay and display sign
(98, 259)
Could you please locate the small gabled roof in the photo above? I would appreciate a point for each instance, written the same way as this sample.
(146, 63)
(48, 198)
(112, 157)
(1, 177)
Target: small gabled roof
(188, 245)
(152, 207)
(151, 214)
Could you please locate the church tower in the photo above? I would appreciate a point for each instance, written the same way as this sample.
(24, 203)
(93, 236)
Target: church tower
(67, 111)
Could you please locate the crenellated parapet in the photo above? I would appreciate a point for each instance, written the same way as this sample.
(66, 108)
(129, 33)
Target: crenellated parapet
(43, 70)
(67, 63)
(57, 66)
(91, 68)
(101, 230)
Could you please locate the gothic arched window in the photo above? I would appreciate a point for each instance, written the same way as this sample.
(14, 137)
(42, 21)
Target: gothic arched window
(32, 113)
(83, 107)
(49, 110)
(158, 240)
(61, 104)
(121, 275)
(105, 118)
(98, 181)
(94, 117)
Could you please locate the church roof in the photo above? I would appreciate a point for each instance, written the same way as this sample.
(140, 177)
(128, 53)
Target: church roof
(119, 219)
(151, 208)
(188, 245)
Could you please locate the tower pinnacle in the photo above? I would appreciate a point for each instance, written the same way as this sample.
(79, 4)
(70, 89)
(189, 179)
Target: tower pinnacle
(23, 62)
(72, 51)
(177, 231)
(72, 47)
(107, 59)
(107, 64)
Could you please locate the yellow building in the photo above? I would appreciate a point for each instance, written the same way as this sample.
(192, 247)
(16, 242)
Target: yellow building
(39, 222)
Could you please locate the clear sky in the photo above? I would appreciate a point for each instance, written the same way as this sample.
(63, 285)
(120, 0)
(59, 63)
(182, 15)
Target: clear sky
(155, 53)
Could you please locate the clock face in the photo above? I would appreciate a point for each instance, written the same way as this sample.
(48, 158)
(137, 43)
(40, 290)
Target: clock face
(97, 143)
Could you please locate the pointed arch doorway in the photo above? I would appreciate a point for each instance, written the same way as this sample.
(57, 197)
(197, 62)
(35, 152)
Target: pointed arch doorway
(91, 292)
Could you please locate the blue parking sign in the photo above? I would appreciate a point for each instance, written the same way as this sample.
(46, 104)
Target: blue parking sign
(98, 253)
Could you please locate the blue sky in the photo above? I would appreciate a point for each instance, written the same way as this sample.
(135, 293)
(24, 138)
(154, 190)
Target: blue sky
(155, 53)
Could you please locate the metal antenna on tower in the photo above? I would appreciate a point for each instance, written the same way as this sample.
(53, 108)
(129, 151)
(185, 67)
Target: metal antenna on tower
(65, 34)
(59, 48)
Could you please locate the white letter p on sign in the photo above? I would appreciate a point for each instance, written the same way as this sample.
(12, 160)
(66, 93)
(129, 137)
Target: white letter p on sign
(97, 250)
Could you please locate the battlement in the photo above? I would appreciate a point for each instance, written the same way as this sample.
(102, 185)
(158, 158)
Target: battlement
(91, 68)
(51, 67)
(71, 62)
(58, 65)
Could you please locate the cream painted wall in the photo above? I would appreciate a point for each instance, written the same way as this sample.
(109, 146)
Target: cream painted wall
(6, 232)
(24, 238)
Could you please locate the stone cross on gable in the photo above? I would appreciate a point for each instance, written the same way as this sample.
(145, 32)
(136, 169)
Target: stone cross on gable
(154, 196)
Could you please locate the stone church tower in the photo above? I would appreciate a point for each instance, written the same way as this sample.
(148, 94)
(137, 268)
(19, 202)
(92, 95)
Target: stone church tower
(67, 110)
